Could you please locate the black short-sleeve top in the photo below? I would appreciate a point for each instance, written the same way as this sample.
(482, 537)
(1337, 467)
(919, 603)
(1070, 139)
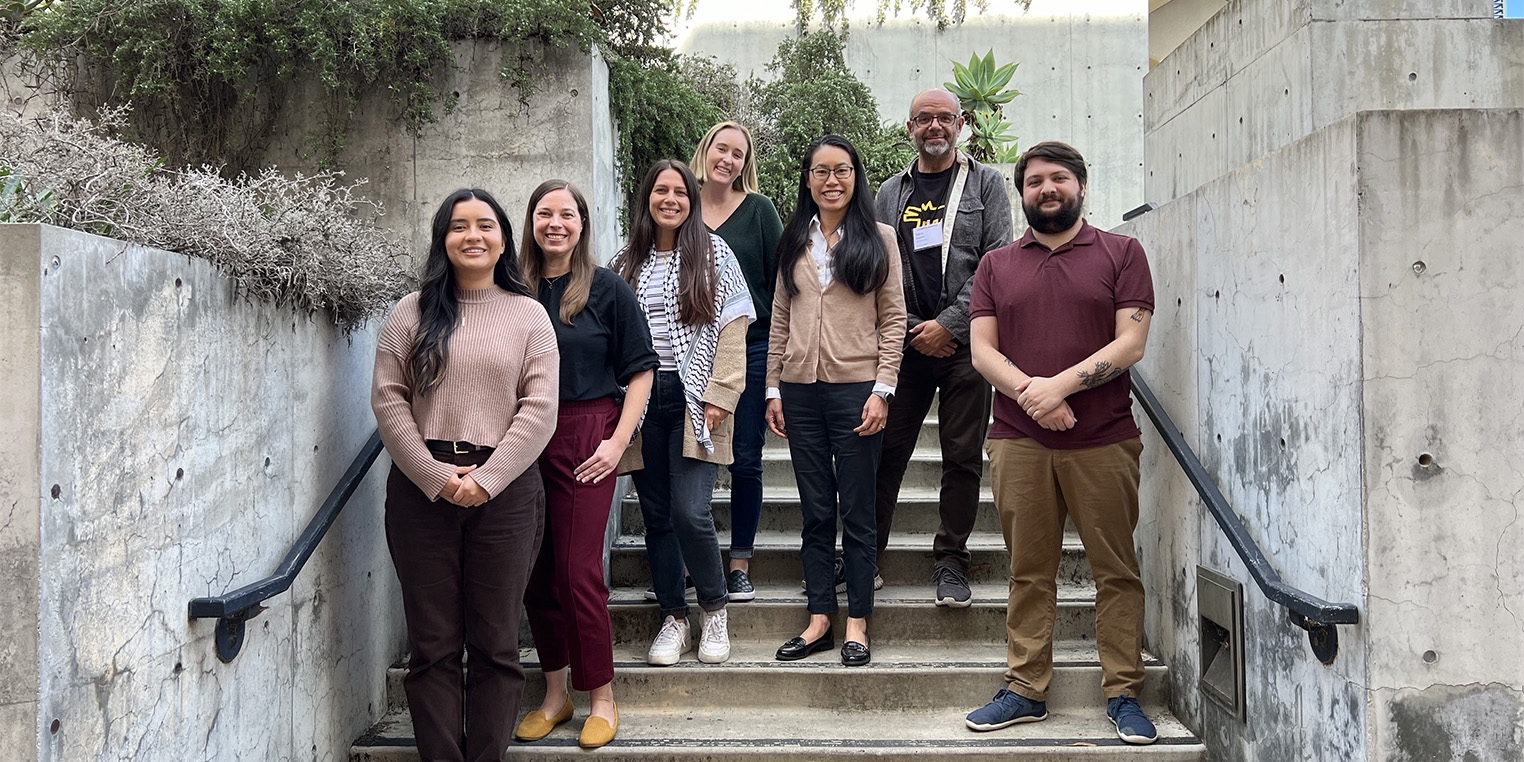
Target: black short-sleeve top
(607, 343)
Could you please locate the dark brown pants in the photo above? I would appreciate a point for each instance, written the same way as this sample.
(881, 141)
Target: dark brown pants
(463, 573)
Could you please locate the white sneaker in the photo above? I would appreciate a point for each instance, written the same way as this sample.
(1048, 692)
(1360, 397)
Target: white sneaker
(670, 643)
(714, 642)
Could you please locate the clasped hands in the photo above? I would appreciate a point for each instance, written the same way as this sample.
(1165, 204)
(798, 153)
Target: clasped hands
(1043, 400)
(462, 490)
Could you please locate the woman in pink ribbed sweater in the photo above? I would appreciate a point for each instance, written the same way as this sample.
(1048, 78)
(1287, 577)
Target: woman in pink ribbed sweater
(465, 395)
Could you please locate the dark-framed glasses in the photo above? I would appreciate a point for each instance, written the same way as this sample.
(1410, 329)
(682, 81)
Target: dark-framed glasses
(821, 173)
(924, 120)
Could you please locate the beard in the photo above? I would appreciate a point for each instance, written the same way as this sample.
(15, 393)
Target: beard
(1057, 221)
(935, 147)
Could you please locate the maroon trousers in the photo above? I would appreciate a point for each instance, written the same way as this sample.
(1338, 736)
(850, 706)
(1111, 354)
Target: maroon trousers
(567, 599)
(463, 573)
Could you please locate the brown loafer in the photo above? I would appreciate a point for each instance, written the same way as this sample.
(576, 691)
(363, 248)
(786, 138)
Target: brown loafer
(598, 731)
(536, 725)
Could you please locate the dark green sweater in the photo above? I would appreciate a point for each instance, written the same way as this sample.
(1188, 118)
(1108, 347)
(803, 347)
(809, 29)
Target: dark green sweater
(753, 231)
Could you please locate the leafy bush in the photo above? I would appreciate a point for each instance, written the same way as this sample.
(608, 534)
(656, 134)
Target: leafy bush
(306, 242)
(815, 94)
(980, 89)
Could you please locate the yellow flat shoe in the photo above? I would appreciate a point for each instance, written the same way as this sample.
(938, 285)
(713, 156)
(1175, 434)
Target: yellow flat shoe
(536, 725)
(597, 731)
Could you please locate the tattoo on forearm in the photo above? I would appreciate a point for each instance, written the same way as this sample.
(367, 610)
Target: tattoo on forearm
(1008, 361)
(1137, 317)
(1103, 373)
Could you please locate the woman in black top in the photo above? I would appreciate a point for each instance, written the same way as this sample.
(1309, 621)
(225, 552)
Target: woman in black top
(726, 168)
(605, 344)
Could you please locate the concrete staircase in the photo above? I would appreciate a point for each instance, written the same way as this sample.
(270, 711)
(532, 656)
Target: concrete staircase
(931, 666)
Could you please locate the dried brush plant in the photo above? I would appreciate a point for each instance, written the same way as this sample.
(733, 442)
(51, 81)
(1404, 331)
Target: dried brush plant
(305, 242)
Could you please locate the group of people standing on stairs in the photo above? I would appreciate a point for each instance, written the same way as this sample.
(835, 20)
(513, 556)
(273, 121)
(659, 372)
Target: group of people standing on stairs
(514, 386)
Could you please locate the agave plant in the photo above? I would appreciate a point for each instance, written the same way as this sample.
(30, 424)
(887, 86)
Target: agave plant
(990, 137)
(980, 86)
(981, 90)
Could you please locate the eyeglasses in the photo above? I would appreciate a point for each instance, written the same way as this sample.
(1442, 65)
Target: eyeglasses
(821, 173)
(923, 120)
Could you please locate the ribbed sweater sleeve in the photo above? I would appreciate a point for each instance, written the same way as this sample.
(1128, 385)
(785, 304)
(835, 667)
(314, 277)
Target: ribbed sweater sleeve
(391, 399)
(535, 421)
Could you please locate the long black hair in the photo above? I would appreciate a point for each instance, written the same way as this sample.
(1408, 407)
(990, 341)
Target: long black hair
(438, 306)
(697, 272)
(860, 258)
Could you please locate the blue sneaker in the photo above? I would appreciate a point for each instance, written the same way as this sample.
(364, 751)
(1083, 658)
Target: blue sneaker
(1005, 710)
(1132, 725)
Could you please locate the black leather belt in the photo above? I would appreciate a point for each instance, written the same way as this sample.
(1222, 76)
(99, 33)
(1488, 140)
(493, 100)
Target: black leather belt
(454, 448)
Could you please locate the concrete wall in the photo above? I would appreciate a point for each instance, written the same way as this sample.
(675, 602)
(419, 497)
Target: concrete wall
(489, 140)
(1082, 63)
(1313, 364)
(1262, 74)
(170, 441)
(1255, 351)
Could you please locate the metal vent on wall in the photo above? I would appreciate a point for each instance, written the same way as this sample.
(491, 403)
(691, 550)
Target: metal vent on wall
(1220, 605)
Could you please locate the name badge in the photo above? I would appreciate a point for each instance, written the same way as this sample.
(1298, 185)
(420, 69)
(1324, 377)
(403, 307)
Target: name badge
(928, 236)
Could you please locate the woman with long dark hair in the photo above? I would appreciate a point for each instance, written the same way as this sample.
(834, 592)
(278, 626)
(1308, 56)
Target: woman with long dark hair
(465, 398)
(695, 300)
(838, 330)
(606, 368)
(726, 169)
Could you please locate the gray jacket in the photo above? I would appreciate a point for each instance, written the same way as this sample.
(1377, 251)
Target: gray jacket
(982, 224)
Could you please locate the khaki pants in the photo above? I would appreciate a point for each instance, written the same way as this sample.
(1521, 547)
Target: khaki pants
(1035, 488)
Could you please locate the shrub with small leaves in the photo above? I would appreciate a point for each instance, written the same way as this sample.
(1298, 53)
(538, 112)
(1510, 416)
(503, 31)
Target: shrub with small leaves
(309, 243)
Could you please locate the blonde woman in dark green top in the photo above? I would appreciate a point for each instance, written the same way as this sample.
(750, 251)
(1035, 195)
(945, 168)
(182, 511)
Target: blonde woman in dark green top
(749, 223)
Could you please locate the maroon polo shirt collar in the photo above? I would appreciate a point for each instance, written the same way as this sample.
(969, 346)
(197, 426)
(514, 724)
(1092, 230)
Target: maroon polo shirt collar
(1085, 237)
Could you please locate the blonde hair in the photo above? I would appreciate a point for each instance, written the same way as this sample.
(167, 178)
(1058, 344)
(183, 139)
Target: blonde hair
(746, 179)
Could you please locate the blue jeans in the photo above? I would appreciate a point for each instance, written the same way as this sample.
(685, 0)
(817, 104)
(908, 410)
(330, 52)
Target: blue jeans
(750, 436)
(675, 494)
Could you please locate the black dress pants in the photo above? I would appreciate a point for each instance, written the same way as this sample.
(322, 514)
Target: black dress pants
(835, 470)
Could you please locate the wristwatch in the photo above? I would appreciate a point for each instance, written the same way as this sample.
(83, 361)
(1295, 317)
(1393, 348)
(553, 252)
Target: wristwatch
(887, 397)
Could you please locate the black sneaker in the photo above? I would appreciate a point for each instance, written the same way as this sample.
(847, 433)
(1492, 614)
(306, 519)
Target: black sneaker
(841, 575)
(952, 588)
(688, 589)
(738, 586)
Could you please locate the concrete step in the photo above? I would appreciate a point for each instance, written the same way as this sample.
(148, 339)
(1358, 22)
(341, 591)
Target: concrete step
(916, 512)
(907, 560)
(902, 615)
(924, 469)
(928, 439)
(903, 677)
(748, 734)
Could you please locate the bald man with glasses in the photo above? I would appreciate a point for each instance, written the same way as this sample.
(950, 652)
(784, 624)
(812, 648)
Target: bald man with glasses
(948, 211)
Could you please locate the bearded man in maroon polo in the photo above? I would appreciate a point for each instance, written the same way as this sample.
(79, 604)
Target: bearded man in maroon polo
(1057, 319)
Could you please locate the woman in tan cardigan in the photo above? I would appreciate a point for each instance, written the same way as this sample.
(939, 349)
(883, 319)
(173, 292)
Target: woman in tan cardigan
(695, 300)
(838, 329)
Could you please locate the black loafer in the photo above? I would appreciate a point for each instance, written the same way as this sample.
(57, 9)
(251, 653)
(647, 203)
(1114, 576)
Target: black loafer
(796, 648)
(855, 654)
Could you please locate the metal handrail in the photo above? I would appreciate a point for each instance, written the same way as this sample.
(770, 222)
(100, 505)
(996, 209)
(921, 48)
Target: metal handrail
(1313, 614)
(232, 610)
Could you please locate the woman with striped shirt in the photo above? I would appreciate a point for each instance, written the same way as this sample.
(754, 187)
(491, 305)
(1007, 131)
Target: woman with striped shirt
(695, 299)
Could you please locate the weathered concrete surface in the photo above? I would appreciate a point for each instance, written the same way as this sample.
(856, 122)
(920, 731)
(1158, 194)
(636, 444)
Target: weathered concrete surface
(20, 536)
(1255, 352)
(1260, 75)
(1081, 66)
(489, 139)
(1441, 271)
(181, 440)
(1354, 407)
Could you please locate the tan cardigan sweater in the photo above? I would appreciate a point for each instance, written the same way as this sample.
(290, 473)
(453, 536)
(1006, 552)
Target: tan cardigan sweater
(837, 336)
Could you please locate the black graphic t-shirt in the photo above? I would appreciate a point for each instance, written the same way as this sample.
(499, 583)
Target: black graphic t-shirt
(927, 206)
